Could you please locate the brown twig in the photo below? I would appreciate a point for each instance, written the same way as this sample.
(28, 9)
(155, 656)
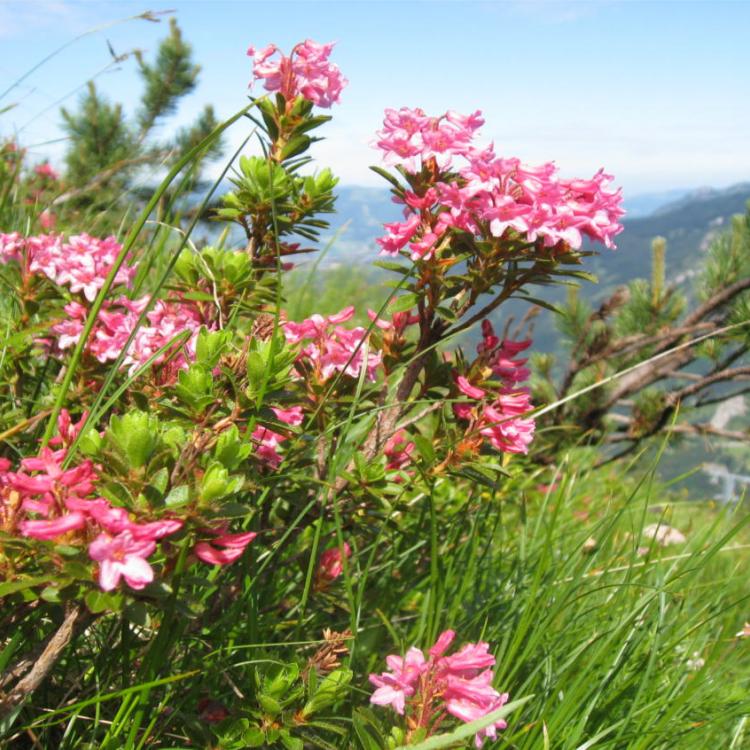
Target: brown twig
(731, 373)
(44, 664)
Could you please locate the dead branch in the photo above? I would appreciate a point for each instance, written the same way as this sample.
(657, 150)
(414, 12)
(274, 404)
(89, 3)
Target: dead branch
(43, 664)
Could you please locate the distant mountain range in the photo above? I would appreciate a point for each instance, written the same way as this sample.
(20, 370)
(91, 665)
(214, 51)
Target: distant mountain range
(688, 224)
(684, 216)
(687, 219)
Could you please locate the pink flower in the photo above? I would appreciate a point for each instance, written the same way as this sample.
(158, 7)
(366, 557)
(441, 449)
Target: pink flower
(47, 220)
(502, 419)
(410, 137)
(332, 348)
(423, 248)
(398, 450)
(67, 430)
(232, 546)
(487, 195)
(419, 202)
(305, 72)
(502, 426)
(469, 659)
(267, 443)
(11, 246)
(398, 323)
(399, 234)
(468, 389)
(443, 643)
(42, 491)
(469, 699)
(82, 263)
(122, 556)
(115, 323)
(53, 529)
(331, 564)
(394, 687)
(459, 684)
(291, 416)
(154, 530)
(46, 170)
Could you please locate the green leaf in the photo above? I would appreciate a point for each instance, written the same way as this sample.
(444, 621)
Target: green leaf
(391, 266)
(177, 496)
(209, 346)
(296, 145)
(101, 601)
(160, 480)
(542, 303)
(311, 123)
(388, 177)
(11, 587)
(195, 386)
(51, 594)
(214, 483)
(137, 613)
(90, 443)
(474, 475)
(447, 313)
(403, 303)
(330, 690)
(256, 369)
(269, 705)
(198, 296)
(254, 737)
(368, 729)
(291, 743)
(425, 448)
(230, 449)
(135, 434)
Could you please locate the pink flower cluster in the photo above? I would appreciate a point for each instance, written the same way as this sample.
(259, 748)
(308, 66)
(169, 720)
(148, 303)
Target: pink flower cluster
(117, 320)
(224, 548)
(411, 138)
(12, 246)
(398, 449)
(332, 348)
(398, 323)
(428, 688)
(80, 263)
(267, 441)
(499, 415)
(331, 564)
(487, 195)
(44, 501)
(305, 72)
(47, 171)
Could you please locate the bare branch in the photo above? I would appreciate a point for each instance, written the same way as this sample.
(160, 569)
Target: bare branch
(42, 666)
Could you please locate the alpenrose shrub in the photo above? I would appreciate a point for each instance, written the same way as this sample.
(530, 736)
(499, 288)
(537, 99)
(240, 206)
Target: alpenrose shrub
(234, 429)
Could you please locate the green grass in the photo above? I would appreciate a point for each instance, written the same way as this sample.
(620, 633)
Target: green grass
(619, 649)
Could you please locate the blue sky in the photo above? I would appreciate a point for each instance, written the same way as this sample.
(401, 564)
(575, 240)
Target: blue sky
(657, 93)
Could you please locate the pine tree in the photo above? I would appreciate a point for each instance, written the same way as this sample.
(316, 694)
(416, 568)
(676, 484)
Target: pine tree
(100, 139)
(108, 149)
(666, 331)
